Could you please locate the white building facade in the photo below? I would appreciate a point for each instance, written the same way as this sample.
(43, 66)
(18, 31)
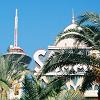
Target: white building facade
(66, 41)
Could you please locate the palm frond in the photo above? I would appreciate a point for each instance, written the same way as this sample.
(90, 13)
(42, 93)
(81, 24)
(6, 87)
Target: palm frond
(89, 77)
(33, 90)
(4, 85)
(89, 16)
(65, 58)
(70, 95)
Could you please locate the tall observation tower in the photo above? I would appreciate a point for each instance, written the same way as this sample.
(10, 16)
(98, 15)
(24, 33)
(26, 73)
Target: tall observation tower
(16, 54)
(14, 50)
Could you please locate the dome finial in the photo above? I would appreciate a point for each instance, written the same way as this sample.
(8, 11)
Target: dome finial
(73, 25)
(73, 17)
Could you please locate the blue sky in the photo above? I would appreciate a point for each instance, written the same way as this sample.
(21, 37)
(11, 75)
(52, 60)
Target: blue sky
(39, 21)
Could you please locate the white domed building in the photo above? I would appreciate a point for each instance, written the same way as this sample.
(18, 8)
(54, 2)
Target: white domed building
(70, 39)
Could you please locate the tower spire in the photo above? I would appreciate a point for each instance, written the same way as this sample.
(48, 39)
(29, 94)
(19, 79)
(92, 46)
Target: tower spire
(73, 17)
(16, 30)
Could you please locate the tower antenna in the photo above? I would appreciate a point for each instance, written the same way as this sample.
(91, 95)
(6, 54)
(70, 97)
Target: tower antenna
(16, 30)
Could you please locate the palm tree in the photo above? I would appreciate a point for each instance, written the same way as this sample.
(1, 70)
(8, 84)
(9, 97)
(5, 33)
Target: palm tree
(9, 72)
(92, 21)
(62, 58)
(70, 95)
(91, 24)
(34, 89)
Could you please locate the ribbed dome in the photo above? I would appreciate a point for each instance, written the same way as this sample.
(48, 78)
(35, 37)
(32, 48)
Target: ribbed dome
(72, 26)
